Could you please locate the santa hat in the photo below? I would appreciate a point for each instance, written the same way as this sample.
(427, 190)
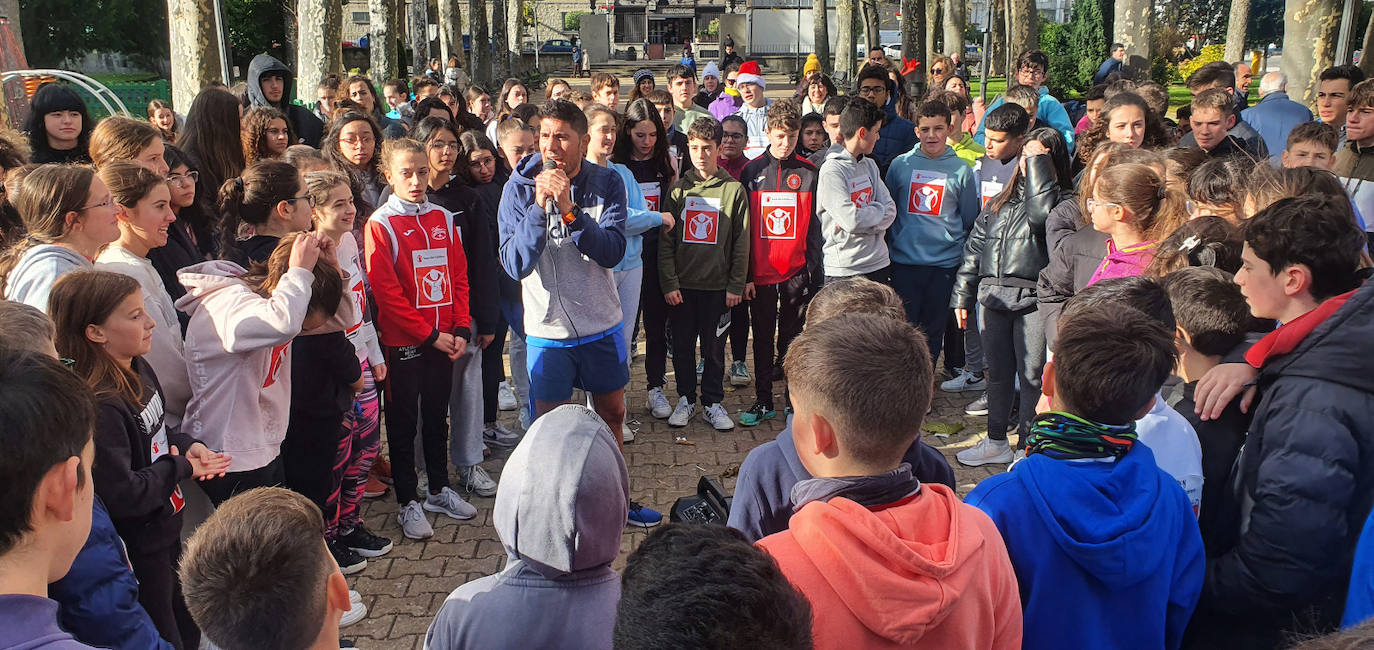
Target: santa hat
(749, 73)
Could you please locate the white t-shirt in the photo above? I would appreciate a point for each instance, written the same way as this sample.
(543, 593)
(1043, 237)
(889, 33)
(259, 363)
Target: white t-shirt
(1175, 445)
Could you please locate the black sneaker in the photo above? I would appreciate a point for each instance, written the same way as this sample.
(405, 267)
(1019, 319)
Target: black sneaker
(348, 561)
(362, 542)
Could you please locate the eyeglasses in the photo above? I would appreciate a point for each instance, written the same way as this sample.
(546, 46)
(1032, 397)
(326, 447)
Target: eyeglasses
(483, 162)
(310, 201)
(732, 136)
(440, 146)
(104, 204)
(189, 178)
(1093, 204)
(872, 90)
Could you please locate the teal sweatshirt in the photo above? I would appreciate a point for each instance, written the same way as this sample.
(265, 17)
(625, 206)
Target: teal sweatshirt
(937, 203)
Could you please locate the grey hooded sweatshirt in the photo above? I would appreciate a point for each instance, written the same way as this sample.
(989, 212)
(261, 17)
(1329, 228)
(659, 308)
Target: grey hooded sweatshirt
(32, 278)
(308, 128)
(560, 511)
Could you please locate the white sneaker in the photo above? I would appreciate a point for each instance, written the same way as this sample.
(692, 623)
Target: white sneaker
(498, 435)
(627, 435)
(477, 480)
(658, 403)
(447, 502)
(718, 417)
(357, 612)
(354, 597)
(525, 419)
(505, 397)
(964, 381)
(682, 414)
(739, 374)
(986, 452)
(414, 523)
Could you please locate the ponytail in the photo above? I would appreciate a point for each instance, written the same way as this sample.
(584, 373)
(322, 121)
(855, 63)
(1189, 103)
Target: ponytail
(252, 197)
(1155, 210)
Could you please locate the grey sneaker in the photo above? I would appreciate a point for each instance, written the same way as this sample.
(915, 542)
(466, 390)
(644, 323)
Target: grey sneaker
(718, 417)
(476, 480)
(739, 374)
(505, 397)
(414, 523)
(498, 435)
(682, 414)
(447, 502)
(978, 406)
(658, 403)
(964, 381)
(986, 452)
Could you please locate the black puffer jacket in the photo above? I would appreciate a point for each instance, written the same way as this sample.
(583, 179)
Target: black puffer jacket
(1304, 484)
(1007, 247)
(1072, 264)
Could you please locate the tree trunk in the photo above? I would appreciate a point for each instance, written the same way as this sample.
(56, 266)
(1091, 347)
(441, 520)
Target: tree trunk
(417, 33)
(500, 65)
(1235, 30)
(1367, 62)
(1024, 23)
(872, 36)
(10, 9)
(1310, 31)
(914, 32)
(956, 19)
(820, 33)
(315, 49)
(451, 31)
(997, 52)
(845, 13)
(931, 16)
(515, 30)
(1133, 24)
(382, 64)
(477, 35)
(194, 48)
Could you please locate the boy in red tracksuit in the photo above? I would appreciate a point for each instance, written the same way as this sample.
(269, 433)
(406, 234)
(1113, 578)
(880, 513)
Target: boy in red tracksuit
(418, 271)
(785, 267)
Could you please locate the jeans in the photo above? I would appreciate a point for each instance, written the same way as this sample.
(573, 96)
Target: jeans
(628, 284)
(1014, 345)
(703, 317)
(925, 292)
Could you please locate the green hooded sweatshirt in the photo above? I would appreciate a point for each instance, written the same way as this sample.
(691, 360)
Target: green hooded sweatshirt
(708, 248)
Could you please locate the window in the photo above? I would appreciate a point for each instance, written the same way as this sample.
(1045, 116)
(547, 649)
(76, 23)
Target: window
(360, 17)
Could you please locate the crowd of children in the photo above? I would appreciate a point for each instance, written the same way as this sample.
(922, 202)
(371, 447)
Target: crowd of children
(1165, 325)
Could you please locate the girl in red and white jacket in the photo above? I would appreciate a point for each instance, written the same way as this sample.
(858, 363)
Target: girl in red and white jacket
(418, 272)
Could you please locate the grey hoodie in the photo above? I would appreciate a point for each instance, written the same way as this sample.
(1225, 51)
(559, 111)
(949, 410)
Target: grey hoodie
(37, 270)
(855, 210)
(560, 511)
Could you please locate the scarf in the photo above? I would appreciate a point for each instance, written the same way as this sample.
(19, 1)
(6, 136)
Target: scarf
(867, 491)
(1069, 437)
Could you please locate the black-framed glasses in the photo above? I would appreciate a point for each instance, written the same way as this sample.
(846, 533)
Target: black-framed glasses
(309, 200)
(732, 136)
(872, 90)
(189, 178)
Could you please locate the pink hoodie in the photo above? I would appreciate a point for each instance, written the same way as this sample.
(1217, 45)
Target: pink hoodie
(238, 355)
(925, 572)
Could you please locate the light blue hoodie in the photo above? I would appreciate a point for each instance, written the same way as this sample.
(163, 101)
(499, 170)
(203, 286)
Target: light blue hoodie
(638, 220)
(1049, 113)
(931, 227)
(39, 267)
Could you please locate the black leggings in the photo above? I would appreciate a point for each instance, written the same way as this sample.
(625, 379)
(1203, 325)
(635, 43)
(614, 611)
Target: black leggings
(419, 380)
(159, 592)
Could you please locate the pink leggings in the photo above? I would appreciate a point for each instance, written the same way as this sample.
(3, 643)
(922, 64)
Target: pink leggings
(358, 447)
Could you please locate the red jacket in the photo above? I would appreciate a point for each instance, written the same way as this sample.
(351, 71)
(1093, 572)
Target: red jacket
(785, 233)
(418, 272)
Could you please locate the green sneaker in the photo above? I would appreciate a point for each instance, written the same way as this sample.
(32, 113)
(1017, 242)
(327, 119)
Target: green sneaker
(756, 414)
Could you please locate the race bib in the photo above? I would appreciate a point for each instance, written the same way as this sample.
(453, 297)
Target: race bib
(779, 220)
(927, 194)
(278, 356)
(989, 190)
(432, 285)
(700, 220)
(651, 196)
(861, 191)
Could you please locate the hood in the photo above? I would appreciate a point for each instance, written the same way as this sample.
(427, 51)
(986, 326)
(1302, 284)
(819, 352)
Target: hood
(48, 254)
(898, 577)
(261, 65)
(1338, 347)
(564, 495)
(526, 170)
(839, 153)
(205, 278)
(1112, 530)
(788, 446)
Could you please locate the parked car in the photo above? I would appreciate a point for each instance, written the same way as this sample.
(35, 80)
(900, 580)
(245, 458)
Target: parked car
(893, 50)
(556, 46)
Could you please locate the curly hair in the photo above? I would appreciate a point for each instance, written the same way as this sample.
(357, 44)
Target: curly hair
(254, 133)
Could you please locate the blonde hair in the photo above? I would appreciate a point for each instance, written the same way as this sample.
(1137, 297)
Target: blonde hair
(1155, 211)
(120, 138)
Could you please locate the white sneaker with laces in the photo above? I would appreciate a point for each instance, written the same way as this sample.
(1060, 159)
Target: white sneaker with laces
(476, 479)
(414, 523)
(498, 435)
(682, 414)
(658, 403)
(986, 452)
(964, 381)
(718, 417)
(357, 612)
(505, 397)
(447, 502)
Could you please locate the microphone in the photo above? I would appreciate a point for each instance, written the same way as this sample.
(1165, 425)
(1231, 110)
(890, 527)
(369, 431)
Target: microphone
(555, 225)
(551, 206)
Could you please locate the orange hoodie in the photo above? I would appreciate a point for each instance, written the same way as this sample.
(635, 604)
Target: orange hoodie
(925, 572)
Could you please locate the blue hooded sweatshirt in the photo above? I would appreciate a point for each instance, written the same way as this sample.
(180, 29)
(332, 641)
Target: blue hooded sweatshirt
(638, 220)
(932, 225)
(1049, 113)
(1108, 554)
(762, 503)
(1359, 601)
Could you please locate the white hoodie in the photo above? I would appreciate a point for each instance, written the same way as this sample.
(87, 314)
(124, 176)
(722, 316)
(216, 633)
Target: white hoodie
(167, 356)
(238, 357)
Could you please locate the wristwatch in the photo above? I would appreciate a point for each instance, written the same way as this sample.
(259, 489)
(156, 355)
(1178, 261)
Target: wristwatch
(570, 216)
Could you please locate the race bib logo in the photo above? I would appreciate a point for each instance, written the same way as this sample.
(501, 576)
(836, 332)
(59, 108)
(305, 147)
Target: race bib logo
(432, 286)
(651, 197)
(860, 191)
(701, 221)
(990, 190)
(779, 211)
(927, 193)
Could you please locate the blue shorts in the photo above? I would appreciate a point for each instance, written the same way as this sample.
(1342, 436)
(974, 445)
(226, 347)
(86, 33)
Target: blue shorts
(600, 366)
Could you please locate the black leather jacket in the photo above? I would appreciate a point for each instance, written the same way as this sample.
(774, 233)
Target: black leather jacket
(1007, 246)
